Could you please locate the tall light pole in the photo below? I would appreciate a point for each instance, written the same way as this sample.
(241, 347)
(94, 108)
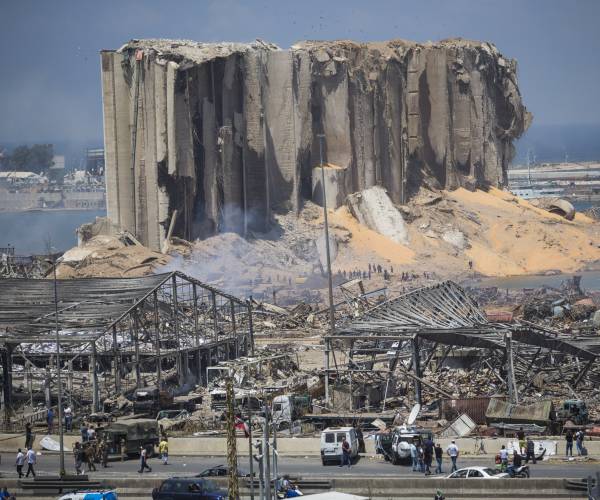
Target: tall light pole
(329, 278)
(61, 439)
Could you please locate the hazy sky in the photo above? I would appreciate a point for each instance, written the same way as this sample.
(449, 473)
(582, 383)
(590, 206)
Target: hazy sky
(50, 78)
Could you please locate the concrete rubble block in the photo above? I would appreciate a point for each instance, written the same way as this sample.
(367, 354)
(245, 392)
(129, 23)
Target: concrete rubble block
(556, 206)
(373, 208)
(335, 180)
(455, 238)
(322, 249)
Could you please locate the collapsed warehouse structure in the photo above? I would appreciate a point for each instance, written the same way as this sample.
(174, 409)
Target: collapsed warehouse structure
(202, 137)
(414, 335)
(130, 332)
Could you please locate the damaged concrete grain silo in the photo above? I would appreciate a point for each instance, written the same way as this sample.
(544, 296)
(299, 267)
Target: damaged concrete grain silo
(216, 136)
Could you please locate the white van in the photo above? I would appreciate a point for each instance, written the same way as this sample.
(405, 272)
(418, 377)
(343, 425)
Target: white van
(331, 443)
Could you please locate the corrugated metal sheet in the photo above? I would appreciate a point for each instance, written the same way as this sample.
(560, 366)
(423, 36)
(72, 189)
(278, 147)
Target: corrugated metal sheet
(501, 411)
(473, 407)
(462, 426)
(499, 316)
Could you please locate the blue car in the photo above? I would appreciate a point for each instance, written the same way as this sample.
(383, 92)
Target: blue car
(90, 495)
(188, 488)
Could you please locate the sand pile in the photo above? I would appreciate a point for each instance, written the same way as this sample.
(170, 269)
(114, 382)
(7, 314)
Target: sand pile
(448, 234)
(495, 232)
(109, 256)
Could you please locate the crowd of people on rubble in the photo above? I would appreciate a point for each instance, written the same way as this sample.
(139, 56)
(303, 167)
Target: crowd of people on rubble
(378, 269)
(368, 273)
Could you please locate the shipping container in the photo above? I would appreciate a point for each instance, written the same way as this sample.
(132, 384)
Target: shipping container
(474, 407)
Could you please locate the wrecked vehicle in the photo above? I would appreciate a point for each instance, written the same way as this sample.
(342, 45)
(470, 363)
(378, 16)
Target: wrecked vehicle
(290, 407)
(149, 401)
(574, 410)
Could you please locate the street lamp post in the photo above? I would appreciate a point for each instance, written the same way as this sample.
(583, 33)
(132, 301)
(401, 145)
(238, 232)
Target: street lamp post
(58, 381)
(329, 278)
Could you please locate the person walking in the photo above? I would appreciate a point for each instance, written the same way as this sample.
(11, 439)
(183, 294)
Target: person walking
(414, 456)
(579, 442)
(50, 420)
(19, 462)
(163, 449)
(569, 441)
(452, 451)
(28, 436)
(346, 450)
(439, 453)
(530, 451)
(144, 460)
(31, 460)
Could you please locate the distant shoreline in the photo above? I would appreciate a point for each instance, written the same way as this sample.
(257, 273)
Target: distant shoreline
(34, 210)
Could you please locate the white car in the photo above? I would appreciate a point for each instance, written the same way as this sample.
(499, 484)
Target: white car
(477, 473)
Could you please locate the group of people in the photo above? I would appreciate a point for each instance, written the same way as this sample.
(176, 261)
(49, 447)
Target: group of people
(89, 451)
(67, 416)
(527, 445)
(422, 454)
(29, 458)
(578, 437)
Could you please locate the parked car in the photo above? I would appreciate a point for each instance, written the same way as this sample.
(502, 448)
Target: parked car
(188, 488)
(221, 471)
(477, 473)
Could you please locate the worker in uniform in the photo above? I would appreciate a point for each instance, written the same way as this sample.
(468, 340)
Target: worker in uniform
(89, 453)
(103, 450)
(78, 455)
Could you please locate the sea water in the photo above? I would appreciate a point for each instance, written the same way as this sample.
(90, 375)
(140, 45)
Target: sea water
(30, 231)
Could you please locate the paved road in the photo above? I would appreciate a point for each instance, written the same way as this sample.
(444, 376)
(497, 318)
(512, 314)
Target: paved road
(180, 465)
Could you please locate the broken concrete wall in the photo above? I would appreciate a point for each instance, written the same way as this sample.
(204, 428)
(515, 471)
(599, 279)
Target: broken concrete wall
(226, 133)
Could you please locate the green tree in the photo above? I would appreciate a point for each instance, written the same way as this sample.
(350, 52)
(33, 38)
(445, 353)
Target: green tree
(20, 158)
(37, 158)
(41, 157)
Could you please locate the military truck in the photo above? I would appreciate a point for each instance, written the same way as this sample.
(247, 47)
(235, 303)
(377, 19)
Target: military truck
(125, 437)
